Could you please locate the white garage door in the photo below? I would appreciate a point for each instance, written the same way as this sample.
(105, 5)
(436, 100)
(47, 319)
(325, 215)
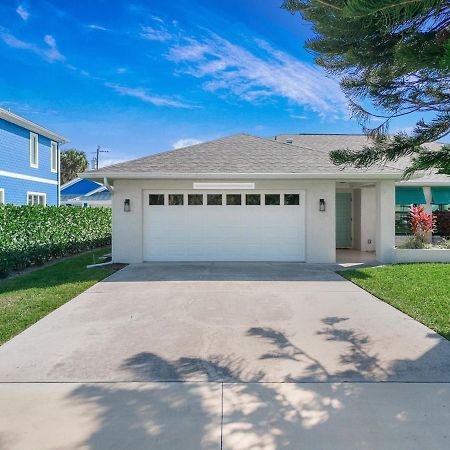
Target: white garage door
(224, 226)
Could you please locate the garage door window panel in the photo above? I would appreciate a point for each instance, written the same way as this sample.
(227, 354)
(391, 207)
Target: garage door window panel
(291, 199)
(195, 199)
(253, 199)
(156, 199)
(234, 199)
(272, 199)
(176, 199)
(214, 199)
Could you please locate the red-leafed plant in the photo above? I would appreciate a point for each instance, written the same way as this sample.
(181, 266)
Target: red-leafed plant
(420, 222)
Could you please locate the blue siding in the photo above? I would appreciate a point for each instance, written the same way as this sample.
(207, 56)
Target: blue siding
(15, 157)
(80, 187)
(16, 190)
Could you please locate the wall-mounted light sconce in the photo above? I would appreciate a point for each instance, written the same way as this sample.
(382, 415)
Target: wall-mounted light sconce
(322, 204)
(127, 205)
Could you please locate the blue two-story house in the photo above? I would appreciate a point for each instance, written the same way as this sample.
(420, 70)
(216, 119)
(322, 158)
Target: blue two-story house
(29, 162)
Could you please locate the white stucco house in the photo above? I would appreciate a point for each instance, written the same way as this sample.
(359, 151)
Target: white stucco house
(247, 198)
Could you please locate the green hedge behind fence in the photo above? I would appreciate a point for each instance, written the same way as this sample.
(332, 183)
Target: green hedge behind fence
(35, 234)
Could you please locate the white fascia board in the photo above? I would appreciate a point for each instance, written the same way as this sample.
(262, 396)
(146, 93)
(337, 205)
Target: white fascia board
(323, 176)
(69, 183)
(25, 123)
(419, 183)
(20, 176)
(99, 189)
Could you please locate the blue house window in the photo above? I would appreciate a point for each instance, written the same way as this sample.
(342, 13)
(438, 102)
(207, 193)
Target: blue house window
(34, 150)
(54, 157)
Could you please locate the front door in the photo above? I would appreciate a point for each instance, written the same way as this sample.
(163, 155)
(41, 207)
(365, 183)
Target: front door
(343, 220)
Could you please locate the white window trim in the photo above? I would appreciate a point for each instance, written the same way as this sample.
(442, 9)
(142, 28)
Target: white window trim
(2, 196)
(53, 158)
(35, 166)
(37, 193)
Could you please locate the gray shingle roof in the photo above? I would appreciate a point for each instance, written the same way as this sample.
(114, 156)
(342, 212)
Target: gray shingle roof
(238, 154)
(327, 142)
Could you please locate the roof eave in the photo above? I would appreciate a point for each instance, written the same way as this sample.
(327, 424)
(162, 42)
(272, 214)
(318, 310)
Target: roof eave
(171, 175)
(417, 183)
(24, 123)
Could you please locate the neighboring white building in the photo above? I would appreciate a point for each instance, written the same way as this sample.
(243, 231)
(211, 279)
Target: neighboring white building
(246, 198)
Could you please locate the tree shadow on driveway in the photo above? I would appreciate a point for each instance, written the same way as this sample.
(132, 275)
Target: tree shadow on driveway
(232, 407)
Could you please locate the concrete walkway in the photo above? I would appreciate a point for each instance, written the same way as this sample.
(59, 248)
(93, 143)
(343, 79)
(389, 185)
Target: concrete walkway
(225, 355)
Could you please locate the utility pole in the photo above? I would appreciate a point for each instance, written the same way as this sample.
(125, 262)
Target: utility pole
(97, 152)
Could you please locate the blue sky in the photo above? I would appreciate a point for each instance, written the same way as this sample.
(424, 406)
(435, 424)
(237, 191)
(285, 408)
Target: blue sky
(137, 78)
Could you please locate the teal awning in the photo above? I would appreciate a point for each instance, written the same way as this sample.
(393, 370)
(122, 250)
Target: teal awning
(409, 196)
(440, 195)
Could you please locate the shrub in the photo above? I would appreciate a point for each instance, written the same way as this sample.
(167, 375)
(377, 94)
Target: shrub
(414, 242)
(442, 223)
(421, 223)
(445, 243)
(35, 234)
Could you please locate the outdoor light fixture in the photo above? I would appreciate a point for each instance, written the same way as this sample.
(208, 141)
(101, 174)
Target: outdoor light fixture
(322, 204)
(127, 205)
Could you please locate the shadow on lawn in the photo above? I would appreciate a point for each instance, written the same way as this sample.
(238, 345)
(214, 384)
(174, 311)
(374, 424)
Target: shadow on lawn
(178, 413)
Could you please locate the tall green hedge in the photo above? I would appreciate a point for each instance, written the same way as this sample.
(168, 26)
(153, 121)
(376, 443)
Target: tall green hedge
(35, 234)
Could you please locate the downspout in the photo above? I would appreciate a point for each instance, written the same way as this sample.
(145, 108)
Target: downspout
(107, 185)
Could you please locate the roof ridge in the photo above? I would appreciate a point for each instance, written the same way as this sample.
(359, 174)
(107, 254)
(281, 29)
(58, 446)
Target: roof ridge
(171, 151)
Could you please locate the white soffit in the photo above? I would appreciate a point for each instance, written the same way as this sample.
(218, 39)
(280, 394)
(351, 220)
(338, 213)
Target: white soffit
(222, 186)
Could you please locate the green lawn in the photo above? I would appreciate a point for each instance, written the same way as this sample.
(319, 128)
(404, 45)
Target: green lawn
(420, 290)
(27, 298)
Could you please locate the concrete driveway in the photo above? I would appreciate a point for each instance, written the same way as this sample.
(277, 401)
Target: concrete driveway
(225, 355)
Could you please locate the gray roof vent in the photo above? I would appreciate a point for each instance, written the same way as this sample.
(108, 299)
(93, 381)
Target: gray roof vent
(289, 141)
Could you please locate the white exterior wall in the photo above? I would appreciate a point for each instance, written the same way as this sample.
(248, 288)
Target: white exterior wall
(368, 219)
(357, 219)
(385, 221)
(127, 227)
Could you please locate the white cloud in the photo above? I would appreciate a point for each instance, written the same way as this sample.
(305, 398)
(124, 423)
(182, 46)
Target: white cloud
(13, 42)
(50, 53)
(141, 94)
(186, 142)
(121, 70)
(23, 12)
(296, 116)
(93, 26)
(258, 74)
(154, 34)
